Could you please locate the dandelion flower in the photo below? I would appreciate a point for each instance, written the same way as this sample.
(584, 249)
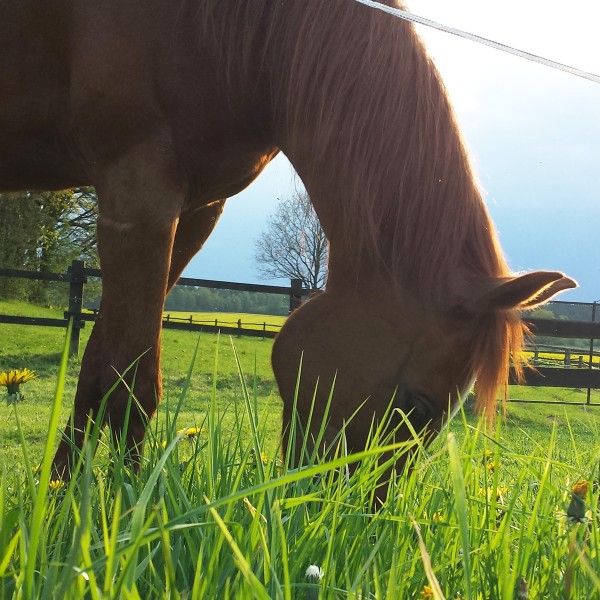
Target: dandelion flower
(426, 593)
(56, 484)
(487, 492)
(12, 379)
(190, 432)
(16, 377)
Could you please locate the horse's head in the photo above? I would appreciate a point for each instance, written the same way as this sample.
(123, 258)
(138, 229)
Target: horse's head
(379, 350)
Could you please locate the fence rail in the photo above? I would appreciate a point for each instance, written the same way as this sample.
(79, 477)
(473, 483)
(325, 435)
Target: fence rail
(559, 372)
(77, 277)
(583, 373)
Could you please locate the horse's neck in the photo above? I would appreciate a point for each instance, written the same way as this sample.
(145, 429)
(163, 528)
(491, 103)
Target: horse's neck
(366, 123)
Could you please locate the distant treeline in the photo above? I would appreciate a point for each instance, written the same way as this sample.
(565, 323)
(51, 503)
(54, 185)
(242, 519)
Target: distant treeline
(197, 299)
(194, 299)
(567, 312)
(206, 299)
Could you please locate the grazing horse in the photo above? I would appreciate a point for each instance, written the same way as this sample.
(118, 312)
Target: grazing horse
(168, 107)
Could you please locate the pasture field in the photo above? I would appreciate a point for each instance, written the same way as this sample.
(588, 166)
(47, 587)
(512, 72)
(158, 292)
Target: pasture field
(216, 513)
(555, 358)
(224, 319)
(39, 348)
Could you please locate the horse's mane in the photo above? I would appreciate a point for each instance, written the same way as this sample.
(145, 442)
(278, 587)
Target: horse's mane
(387, 144)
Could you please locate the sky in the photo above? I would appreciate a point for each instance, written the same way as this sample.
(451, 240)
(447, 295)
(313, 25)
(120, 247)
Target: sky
(533, 134)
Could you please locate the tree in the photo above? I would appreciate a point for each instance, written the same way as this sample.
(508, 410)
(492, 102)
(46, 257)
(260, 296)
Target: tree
(44, 231)
(294, 245)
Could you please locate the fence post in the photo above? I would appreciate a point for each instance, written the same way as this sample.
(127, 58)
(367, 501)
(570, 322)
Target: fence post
(295, 294)
(589, 390)
(76, 283)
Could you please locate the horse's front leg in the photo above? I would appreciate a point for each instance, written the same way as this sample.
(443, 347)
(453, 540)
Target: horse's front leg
(139, 203)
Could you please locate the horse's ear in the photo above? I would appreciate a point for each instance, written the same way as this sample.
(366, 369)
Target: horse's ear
(522, 292)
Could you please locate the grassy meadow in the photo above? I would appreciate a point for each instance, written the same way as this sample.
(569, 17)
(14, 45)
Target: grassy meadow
(217, 511)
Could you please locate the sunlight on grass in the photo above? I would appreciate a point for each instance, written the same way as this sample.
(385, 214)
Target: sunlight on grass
(217, 513)
(214, 514)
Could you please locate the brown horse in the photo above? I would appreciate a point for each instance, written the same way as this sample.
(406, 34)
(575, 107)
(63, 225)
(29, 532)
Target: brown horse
(170, 106)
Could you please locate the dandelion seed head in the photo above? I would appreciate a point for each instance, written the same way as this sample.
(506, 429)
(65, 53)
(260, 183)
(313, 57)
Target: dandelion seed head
(314, 572)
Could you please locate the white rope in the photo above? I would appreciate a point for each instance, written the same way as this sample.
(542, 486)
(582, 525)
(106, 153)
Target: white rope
(402, 14)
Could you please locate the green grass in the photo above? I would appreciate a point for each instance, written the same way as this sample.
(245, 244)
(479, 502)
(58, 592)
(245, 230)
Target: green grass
(208, 518)
(39, 348)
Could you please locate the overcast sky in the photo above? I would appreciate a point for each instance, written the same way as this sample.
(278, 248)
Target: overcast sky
(533, 134)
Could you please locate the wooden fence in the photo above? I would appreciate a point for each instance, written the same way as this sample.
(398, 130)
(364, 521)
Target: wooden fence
(564, 371)
(582, 373)
(77, 276)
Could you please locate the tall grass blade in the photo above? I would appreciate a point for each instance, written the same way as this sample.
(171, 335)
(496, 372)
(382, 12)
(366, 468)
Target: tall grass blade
(460, 503)
(39, 503)
(434, 584)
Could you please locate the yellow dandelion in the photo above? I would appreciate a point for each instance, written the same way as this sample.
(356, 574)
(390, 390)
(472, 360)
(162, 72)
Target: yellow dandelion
(190, 432)
(12, 379)
(426, 593)
(16, 377)
(501, 491)
(56, 484)
(488, 492)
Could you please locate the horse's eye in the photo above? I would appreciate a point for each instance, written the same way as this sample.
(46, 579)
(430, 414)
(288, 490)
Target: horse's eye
(423, 411)
(419, 408)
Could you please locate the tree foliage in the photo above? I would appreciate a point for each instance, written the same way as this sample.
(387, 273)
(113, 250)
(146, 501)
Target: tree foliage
(294, 245)
(197, 299)
(45, 231)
